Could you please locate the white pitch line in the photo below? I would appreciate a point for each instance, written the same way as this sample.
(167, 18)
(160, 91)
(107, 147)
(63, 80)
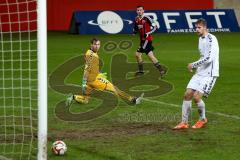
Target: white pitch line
(178, 106)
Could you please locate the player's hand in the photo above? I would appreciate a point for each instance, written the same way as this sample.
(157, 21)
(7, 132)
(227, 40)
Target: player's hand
(104, 75)
(190, 67)
(134, 32)
(84, 86)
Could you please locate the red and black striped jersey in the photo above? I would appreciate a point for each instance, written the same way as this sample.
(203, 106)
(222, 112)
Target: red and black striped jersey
(145, 26)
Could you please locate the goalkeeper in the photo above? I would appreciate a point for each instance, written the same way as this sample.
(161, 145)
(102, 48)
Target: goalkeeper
(93, 79)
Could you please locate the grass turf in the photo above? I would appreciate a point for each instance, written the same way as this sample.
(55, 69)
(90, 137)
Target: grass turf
(145, 131)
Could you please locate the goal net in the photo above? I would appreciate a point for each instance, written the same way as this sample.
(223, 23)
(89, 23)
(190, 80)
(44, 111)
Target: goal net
(19, 79)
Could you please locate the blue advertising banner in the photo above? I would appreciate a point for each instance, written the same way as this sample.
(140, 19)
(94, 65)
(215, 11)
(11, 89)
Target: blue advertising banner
(113, 22)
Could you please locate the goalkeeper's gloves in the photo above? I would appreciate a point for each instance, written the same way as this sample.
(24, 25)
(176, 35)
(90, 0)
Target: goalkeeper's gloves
(103, 75)
(84, 86)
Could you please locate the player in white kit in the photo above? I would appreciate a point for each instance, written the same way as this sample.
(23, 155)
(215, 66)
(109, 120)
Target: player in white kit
(202, 82)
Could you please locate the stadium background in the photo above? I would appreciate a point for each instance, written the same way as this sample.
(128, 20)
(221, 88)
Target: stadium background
(60, 11)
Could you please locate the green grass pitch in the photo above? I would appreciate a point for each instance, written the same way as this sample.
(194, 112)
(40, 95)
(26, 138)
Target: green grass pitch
(144, 132)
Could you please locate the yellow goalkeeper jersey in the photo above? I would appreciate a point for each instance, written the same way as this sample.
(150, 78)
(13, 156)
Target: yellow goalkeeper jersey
(92, 66)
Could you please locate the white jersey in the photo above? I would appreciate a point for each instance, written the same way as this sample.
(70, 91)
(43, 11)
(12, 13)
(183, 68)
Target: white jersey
(208, 64)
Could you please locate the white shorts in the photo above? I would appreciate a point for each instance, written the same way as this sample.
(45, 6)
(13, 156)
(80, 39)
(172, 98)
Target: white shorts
(202, 84)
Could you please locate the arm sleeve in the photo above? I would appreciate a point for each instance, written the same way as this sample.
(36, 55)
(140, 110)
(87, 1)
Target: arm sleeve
(152, 24)
(208, 56)
(88, 65)
(135, 27)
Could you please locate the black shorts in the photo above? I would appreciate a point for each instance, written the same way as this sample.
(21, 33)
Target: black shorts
(145, 46)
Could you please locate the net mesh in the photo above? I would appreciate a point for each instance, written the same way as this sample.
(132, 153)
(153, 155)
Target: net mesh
(18, 79)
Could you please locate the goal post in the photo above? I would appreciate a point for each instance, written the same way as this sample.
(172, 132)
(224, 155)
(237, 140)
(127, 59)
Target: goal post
(42, 80)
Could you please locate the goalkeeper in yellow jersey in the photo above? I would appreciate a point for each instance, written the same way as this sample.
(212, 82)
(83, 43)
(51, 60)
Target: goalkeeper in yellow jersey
(93, 79)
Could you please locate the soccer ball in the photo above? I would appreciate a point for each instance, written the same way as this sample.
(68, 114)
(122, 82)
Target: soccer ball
(59, 147)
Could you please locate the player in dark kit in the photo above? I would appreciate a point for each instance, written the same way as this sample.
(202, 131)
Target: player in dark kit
(146, 26)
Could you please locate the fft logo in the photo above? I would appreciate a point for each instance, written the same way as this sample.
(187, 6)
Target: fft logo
(110, 22)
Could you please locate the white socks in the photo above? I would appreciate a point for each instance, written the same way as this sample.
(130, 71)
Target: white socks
(201, 110)
(186, 108)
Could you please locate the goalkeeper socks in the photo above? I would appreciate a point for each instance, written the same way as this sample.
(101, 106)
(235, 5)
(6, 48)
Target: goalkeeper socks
(186, 108)
(124, 96)
(140, 66)
(201, 109)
